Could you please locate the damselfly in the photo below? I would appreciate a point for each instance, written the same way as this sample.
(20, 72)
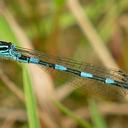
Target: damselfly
(113, 77)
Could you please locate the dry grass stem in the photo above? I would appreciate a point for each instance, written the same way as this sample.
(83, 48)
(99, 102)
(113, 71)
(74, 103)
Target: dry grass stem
(106, 109)
(11, 86)
(90, 32)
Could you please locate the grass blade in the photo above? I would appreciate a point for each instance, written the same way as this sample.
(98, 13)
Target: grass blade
(81, 122)
(97, 119)
(30, 100)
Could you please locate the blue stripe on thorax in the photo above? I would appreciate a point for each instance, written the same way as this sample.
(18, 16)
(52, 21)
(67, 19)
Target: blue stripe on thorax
(34, 60)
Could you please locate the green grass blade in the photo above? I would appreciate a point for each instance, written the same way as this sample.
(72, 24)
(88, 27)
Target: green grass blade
(30, 100)
(97, 119)
(5, 31)
(81, 122)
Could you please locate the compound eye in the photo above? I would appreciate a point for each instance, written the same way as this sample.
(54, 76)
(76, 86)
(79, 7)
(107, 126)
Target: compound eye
(3, 48)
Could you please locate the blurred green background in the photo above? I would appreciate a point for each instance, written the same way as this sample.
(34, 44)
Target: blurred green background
(51, 27)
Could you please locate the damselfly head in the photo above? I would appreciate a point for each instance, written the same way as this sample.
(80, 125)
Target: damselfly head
(4, 48)
(4, 45)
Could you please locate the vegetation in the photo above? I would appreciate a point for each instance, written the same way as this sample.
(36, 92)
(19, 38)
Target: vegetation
(92, 31)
